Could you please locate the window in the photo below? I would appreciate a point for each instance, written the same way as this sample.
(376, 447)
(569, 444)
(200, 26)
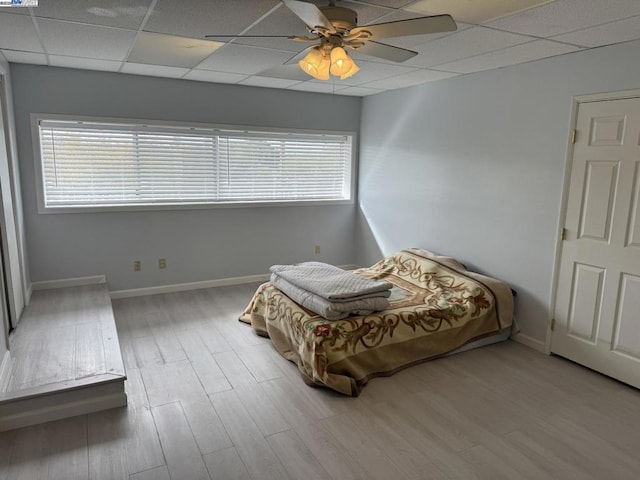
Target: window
(91, 164)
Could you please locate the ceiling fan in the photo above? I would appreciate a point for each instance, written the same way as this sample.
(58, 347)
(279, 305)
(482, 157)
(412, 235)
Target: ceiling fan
(335, 29)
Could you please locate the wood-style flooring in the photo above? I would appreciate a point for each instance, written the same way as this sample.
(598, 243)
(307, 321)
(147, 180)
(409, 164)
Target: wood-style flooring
(208, 399)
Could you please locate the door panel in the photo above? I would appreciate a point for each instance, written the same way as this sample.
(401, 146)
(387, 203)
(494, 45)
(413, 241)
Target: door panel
(597, 312)
(584, 316)
(626, 338)
(601, 179)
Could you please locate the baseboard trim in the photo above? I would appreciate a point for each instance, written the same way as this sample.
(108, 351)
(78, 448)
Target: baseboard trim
(69, 282)
(181, 287)
(530, 342)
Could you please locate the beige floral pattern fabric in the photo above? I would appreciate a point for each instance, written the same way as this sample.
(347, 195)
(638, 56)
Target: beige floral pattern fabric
(437, 307)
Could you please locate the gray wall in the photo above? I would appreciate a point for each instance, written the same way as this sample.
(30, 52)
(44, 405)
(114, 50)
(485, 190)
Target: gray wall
(198, 244)
(473, 167)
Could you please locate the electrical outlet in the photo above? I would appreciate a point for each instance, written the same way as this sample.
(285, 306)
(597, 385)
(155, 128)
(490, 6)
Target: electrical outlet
(137, 265)
(162, 263)
(317, 249)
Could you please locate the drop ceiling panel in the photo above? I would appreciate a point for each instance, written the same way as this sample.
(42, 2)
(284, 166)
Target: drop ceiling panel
(358, 91)
(409, 79)
(281, 21)
(372, 71)
(86, 63)
(318, 87)
(17, 56)
(89, 41)
(268, 82)
(476, 11)
(564, 16)
(18, 33)
(510, 56)
(242, 59)
(160, 49)
(154, 70)
(216, 77)
(470, 42)
(198, 18)
(114, 13)
(607, 34)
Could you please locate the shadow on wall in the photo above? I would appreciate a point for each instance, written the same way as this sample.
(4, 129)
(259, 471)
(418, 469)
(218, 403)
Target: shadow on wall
(368, 249)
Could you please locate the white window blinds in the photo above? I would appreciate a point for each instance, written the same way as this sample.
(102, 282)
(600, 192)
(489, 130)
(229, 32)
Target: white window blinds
(90, 164)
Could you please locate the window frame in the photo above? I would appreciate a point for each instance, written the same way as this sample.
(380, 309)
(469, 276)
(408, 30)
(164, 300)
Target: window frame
(39, 177)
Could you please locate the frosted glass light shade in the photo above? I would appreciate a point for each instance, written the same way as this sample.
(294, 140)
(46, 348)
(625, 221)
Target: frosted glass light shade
(312, 61)
(340, 62)
(354, 69)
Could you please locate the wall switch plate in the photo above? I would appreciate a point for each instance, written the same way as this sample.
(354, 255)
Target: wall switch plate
(162, 263)
(137, 265)
(317, 249)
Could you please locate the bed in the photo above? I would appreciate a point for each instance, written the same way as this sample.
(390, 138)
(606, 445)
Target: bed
(437, 307)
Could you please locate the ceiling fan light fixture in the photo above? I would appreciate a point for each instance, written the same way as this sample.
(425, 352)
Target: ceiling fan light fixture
(312, 61)
(354, 69)
(323, 69)
(340, 62)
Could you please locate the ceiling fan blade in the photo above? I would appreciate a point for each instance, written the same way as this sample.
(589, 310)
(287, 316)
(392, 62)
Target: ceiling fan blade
(415, 26)
(388, 52)
(309, 14)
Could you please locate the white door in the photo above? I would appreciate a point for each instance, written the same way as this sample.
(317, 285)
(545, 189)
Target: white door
(597, 313)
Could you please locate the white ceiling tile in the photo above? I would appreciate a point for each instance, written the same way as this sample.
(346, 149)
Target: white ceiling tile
(217, 77)
(371, 71)
(268, 82)
(115, 13)
(564, 16)
(509, 56)
(358, 91)
(198, 18)
(154, 70)
(243, 59)
(476, 11)
(89, 41)
(470, 42)
(18, 33)
(408, 79)
(281, 21)
(607, 34)
(16, 56)
(318, 87)
(288, 72)
(84, 63)
(160, 49)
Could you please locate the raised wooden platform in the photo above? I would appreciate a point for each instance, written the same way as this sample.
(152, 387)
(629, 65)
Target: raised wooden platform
(65, 358)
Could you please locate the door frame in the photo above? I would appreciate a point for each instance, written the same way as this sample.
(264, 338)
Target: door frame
(568, 165)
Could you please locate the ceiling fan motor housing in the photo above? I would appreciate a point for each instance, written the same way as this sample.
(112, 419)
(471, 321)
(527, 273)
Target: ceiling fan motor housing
(343, 19)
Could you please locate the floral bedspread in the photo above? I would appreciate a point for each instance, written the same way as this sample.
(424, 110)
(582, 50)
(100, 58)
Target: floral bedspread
(436, 307)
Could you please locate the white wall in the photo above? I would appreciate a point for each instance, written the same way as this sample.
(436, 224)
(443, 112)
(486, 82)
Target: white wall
(198, 244)
(473, 167)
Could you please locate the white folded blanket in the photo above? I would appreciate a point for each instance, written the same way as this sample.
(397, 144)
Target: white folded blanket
(325, 308)
(330, 282)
